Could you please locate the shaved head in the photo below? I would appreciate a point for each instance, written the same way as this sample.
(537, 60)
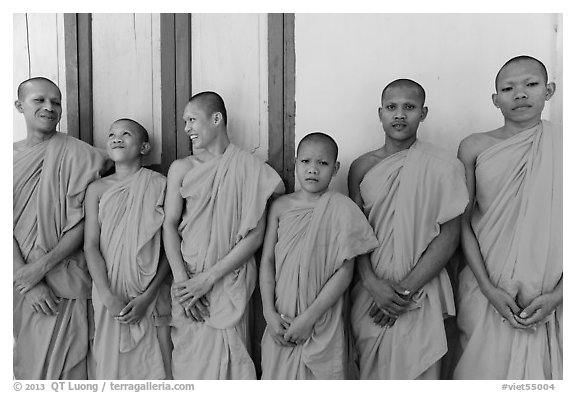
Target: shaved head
(210, 102)
(405, 83)
(518, 59)
(320, 137)
(134, 126)
(23, 87)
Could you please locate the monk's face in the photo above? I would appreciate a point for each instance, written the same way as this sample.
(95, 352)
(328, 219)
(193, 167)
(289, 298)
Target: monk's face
(401, 112)
(40, 103)
(522, 91)
(315, 166)
(198, 125)
(125, 143)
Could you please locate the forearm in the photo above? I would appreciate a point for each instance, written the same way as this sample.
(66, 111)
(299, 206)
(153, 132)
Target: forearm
(331, 292)
(70, 242)
(239, 254)
(434, 258)
(98, 272)
(365, 270)
(17, 259)
(557, 292)
(172, 247)
(161, 273)
(267, 285)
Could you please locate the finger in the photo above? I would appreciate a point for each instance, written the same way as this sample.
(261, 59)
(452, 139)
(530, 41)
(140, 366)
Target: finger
(45, 309)
(286, 318)
(391, 322)
(400, 301)
(126, 310)
(202, 309)
(378, 316)
(52, 305)
(533, 319)
(35, 308)
(528, 311)
(187, 312)
(399, 289)
(510, 318)
(195, 314)
(374, 309)
(204, 301)
(384, 321)
(186, 296)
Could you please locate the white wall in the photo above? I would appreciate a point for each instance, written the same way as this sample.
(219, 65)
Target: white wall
(38, 50)
(230, 57)
(343, 61)
(126, 75)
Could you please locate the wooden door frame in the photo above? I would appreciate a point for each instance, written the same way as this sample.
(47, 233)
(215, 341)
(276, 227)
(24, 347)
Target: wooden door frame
(176, 73)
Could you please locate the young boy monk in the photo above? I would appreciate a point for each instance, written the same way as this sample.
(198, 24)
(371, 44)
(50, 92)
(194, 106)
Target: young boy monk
(51, 282)
(510, 309)
(124, 216)
(312, 238)
(413, 194)
(215, 220)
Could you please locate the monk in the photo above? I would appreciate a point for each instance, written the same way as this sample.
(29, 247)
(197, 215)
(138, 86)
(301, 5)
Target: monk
(510, 307)
(51, 282)
(124, 216)
(215, 221)
(413, 194)
(312, 238)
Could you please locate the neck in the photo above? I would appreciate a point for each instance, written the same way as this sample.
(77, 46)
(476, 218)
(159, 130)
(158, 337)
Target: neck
(392, 146)
(514, 128)
(36, 137)
(219, 145)
(306, 196)
(126, 169)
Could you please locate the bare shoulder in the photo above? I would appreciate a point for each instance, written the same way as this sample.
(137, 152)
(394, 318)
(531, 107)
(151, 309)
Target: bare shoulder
(19, 146)
(99, 187)
(361, 165)
(179, 167)
(474, 144)
(281, 204)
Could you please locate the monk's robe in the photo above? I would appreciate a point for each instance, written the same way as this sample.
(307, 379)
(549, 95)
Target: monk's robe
(313, 243)
(49, 183)
(517, 220)
(225, 198)
(407, 196)
(130, 214)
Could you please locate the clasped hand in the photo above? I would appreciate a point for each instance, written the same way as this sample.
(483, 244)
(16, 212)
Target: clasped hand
(521, 318)
(28, 276)
(191, 294)
(390, 301)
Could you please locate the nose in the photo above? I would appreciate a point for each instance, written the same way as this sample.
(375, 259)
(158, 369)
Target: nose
(312, 169)
(399, 114)
(520, 93)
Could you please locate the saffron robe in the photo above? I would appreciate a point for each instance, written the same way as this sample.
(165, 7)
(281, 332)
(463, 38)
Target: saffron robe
(225, 198)
(130, 214)
(313, 243)
(407, 196)
(517, 220)
(49, 182)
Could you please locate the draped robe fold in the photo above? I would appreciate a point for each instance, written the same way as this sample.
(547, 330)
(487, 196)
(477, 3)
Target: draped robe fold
(49, 183)
(407, 196)
(130, 214)
(313, 243)
(225, 198)
(517, 220)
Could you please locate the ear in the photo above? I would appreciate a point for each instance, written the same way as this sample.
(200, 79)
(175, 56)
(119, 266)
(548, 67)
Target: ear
(550, 89)
(336, 168)
(380, 113)
(18, 106)
(424, 113)
(217, 118)
(495, 100)
(145, 149)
